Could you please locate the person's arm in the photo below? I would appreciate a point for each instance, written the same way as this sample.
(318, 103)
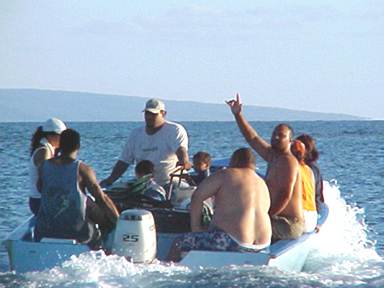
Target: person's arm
(126, 158)
(41, 155)
(88, 175)
(183, 158)
(208, 188)
(118, 170)
(250, 134)
(179, 142)
(288, 173)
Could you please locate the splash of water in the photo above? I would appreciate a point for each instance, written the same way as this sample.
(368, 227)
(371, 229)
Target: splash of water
(344, 253)
(95, 269)
(345, 233)
(344, 257)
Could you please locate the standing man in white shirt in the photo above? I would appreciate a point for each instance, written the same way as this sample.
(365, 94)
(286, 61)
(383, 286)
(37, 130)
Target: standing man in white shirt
(162, 142)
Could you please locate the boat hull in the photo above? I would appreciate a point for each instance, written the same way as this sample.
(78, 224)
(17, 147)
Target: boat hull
(27, 255)
(288, 255)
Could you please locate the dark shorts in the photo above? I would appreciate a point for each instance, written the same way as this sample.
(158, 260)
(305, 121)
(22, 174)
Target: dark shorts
(83, 232)
(96, 215)
(34, 205)
(215, 239)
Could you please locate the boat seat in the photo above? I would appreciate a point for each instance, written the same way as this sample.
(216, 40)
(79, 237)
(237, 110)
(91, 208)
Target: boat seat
(281, 246)
(58, 240)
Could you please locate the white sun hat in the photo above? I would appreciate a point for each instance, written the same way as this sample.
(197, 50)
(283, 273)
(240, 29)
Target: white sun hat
(54, 125)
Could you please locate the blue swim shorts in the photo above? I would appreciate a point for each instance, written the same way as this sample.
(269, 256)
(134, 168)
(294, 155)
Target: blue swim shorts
(215, 239)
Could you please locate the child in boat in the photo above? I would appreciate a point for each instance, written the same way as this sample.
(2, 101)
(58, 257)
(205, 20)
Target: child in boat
(201, 165)
(145, 182)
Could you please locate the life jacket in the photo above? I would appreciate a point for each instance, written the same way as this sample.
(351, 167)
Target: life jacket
(145, 185)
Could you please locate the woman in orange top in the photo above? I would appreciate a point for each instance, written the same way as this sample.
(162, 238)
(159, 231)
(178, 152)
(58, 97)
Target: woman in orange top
(308, 186)
(311, 157)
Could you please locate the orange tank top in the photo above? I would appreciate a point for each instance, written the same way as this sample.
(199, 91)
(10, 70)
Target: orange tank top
(308, 183)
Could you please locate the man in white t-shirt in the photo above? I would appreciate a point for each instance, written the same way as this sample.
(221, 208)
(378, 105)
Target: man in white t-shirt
(162, 142)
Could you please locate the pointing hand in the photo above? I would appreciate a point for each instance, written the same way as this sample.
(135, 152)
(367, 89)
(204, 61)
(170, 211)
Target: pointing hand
(235, 105)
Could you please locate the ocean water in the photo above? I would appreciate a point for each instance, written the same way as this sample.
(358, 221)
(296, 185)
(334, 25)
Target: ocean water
(349, 253)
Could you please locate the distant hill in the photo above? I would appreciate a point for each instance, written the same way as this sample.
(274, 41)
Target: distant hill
(34, 105)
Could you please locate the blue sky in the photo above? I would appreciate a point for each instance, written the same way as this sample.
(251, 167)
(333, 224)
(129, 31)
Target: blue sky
(324, 56)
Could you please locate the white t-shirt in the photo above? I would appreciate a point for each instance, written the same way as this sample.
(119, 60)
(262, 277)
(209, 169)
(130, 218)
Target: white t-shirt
(34, 170)
(160, 148)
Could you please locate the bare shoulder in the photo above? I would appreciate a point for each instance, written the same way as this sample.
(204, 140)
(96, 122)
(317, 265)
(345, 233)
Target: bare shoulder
(221, 173)
(260, 181)
(86, 170)
(41, 151)
(41, 155)
(287, 160)
(232, 173)
(216, 179)
(258, 177)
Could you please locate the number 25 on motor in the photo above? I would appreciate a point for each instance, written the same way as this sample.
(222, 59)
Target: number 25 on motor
(130, 237)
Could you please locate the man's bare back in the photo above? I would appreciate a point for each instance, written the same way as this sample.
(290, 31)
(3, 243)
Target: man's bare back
(240, 220)
(241, 205)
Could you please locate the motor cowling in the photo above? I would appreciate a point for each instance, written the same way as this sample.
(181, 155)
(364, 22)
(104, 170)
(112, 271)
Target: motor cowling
(135, 236)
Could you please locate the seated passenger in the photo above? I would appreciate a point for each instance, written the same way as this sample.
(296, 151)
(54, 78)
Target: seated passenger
(308, 186)
(66, 211)
(44, 143)
(282, 177)
(146, 183)
(201, 164)
(311, 157)
(240, 221)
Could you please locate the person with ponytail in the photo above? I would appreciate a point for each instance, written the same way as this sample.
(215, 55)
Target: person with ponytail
(44, 143)
(308, 186)
(311, 157)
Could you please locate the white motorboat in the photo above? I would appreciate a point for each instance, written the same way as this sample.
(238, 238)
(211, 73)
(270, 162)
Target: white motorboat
(141, 241)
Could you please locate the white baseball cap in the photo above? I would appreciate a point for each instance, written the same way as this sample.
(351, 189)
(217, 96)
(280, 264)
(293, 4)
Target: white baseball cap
(54, 125)
(154, 106)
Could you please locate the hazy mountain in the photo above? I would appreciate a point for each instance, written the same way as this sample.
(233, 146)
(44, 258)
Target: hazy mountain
(36, 105)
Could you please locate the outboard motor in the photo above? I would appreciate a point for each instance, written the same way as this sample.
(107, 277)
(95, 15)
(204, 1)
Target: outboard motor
(135, 236)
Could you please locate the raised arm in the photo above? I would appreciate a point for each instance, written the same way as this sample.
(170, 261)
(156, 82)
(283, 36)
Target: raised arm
(208, 188)
(250, 134)
(118, 170)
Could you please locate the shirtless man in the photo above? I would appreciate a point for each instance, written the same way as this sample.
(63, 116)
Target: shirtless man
(283, 177)
(241, 221)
